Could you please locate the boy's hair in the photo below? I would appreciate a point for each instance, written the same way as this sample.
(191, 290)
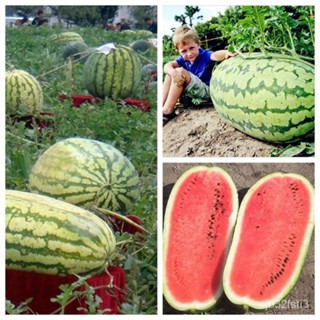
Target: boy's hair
(185, 34)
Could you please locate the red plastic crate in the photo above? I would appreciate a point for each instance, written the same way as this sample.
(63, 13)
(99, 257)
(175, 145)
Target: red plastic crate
(78, 99)
(22, 285)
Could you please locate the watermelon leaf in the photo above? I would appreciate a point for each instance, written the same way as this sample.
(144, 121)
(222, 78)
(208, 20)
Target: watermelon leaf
(292, 151)
(21, 308)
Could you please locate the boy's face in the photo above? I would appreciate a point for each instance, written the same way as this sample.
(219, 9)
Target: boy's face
(189, 50)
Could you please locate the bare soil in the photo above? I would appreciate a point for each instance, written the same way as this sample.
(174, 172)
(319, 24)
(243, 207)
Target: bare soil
(201, 132)
(301, 298)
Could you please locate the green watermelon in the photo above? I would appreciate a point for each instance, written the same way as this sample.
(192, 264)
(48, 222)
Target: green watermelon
(143, 33)
(140, 46)
(49, 236)
(74, 50)
(86, 172)
(199, 220)
(65, 37)
(114, 74)
(23, 93)
(269, 98)
(270, 242)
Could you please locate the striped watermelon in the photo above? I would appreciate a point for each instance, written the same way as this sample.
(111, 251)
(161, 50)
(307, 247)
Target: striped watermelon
(75, 50)
(66, 37)
(269, 98)
(115, 74)
(86, 172)
(23, 93)
(140, 46)
(49, 236)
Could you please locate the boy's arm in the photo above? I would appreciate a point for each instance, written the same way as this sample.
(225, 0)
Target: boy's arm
(222, 55)
(170, 69)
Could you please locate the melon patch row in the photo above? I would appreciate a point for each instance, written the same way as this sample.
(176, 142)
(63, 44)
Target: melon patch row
(211, 245)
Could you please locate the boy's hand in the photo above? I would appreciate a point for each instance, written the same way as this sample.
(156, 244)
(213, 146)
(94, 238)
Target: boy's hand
(222, 55)
(177, 77)
(229, 54)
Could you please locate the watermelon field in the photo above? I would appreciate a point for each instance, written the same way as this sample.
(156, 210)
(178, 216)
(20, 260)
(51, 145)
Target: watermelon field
(69, 110)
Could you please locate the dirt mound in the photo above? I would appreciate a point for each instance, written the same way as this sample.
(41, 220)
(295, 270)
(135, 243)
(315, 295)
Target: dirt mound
(201, 132)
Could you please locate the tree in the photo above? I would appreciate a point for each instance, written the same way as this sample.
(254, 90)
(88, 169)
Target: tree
(210, 35)
(190, 11)
(87, 15)
(141, 12)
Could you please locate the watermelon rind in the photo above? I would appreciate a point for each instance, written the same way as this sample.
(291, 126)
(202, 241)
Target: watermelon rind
(246, 301)
(195, 305)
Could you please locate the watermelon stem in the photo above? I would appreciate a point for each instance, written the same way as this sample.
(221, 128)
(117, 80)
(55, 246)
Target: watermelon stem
(121, 217)
(149, 61)
(78, 294)
(261, 27)
(11, 67)
(26, 140)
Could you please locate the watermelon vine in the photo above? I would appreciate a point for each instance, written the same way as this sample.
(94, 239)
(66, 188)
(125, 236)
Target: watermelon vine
(284, 30)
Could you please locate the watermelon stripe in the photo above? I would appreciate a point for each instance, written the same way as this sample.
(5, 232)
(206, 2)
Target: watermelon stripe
(134, 73)
(59, 234)
(55, 217)
(114, 73)
(270, 99)
(123, 71)
(100, 62)
(56, 268)
(66, 37)
(41, 231)
(23, 93)
(107, 179)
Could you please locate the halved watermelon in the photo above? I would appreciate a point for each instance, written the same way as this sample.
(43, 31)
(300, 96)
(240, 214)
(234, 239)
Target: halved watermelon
(271, 240)
(199, 220)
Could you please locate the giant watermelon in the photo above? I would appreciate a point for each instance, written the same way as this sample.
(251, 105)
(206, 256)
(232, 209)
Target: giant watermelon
(270, 242)
(113, 72)
(199, 220)
(269, 98)
(86, 172)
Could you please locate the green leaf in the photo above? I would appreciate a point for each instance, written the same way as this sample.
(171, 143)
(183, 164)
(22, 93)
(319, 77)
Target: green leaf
(292, 151)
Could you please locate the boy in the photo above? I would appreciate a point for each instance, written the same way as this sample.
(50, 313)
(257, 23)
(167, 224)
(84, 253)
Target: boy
(190, 72)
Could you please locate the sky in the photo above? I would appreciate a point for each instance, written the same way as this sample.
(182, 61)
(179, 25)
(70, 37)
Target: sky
(170, 11)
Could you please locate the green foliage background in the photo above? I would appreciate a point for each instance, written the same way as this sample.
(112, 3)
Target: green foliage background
(281, 29)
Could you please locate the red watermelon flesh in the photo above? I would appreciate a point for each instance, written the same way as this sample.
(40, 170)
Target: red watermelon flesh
(271, 239)
(199, 220)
